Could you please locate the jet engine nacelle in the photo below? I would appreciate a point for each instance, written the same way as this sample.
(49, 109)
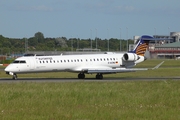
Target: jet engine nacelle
(130, 57)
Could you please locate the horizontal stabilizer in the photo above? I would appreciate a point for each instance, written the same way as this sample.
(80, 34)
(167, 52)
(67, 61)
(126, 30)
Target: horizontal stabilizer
(152, 39)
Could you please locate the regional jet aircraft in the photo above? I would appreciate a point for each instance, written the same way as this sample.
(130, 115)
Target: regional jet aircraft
(82, 64)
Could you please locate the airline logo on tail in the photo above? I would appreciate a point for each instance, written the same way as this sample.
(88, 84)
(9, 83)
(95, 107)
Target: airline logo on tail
(142, 45)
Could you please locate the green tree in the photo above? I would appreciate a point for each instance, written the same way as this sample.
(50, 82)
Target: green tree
(6, 43)
(32, 41)
(39, 37)
(50, 43)
(61, 42)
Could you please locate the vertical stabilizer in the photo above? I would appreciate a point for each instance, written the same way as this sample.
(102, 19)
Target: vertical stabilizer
(142, 45)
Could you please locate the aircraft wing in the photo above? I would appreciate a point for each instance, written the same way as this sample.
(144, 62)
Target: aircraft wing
(118, 70)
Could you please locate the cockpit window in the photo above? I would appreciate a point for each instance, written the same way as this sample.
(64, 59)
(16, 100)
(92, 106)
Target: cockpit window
(16, 61)
(19, 61)
(23, 61)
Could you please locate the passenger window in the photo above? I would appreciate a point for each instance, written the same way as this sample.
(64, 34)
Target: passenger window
(74, 60)
(64, 60)
(47, 61)
(97, 59)
(71, 60)
(113, 58)
(107, 59)
(68, 60)
(81, 60)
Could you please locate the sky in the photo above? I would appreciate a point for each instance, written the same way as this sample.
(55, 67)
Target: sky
(85, 19)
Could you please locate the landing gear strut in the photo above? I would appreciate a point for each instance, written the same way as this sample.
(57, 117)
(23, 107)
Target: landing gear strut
(81, 76)
(14, 77)
(99, 76)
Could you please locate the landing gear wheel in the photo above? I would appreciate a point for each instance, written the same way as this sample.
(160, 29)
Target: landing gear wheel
(81, 76)
(99, 76)
(14, 77)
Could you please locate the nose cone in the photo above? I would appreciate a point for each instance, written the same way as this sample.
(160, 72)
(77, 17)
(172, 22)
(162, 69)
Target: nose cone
(8, 68)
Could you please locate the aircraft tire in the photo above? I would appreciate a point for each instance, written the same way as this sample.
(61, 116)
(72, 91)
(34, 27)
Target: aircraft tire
(14, 77)
(81, 76)
(99, 76)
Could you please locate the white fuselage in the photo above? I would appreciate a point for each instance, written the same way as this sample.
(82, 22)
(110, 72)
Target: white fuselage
(72, 63)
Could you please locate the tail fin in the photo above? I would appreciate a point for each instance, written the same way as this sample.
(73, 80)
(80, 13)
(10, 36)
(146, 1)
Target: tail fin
(142, 45)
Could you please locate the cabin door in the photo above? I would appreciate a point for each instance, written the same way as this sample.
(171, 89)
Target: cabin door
(32, 63)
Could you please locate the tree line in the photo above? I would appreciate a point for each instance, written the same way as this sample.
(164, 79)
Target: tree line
(38, 42)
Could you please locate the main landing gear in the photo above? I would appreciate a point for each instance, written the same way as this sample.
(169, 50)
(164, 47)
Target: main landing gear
(99, 76)
(82, 76)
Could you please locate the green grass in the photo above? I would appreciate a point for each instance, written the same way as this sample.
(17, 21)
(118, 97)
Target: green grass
(153, 62)
(136, 100)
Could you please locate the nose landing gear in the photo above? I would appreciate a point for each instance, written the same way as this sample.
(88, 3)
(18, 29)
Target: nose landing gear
(14, 77)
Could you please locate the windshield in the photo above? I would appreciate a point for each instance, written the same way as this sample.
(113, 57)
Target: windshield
(19, 61)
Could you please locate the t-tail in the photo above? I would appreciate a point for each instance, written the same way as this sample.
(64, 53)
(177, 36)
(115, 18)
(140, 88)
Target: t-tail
(142, 45)
(138, 54)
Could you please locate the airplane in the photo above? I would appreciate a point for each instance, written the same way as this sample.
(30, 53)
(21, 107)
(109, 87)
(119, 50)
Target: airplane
(82, 64)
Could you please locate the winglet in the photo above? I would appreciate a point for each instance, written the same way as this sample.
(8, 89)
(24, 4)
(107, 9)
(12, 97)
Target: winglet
(157, 66)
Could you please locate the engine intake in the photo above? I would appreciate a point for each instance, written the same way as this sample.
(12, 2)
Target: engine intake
(130, 57)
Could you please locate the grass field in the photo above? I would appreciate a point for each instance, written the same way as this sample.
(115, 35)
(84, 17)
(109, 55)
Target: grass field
(91, 100)
(137, 100)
